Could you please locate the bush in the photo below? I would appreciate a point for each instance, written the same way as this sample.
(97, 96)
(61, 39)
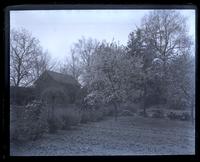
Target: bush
(132, 107)
(158, 114)
(85, 116)
(70, 118)
(96, 115)
(28, 122)
(173, 116)
(141, 113)
(92, 115)
(107, 111)
(54, 124)
(64, 118)
(177, 105)
(184, 116)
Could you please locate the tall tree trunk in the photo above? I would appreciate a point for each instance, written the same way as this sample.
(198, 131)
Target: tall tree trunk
(164, 79)
(116, 110)
(113, 90)
(144, 91)
(144, 100)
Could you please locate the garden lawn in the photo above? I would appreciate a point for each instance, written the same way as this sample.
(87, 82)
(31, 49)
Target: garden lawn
(129, 135)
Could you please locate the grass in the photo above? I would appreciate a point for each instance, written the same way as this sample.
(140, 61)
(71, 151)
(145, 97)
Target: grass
(130, 135)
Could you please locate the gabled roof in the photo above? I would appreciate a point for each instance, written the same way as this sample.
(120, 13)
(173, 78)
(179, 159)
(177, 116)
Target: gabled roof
(62, 78)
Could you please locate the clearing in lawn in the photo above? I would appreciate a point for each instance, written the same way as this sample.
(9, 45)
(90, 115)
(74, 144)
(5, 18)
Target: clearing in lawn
(129, 135)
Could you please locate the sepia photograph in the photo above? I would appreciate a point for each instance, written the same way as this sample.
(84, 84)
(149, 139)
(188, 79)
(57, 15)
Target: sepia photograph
(102, 82)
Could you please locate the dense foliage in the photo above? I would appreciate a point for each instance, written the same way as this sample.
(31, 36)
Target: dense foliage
(156, 67)
(28, 122)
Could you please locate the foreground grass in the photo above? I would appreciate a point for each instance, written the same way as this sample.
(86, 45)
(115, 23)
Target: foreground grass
(128, 136)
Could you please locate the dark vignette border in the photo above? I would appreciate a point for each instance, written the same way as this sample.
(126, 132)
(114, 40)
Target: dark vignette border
(8, 6)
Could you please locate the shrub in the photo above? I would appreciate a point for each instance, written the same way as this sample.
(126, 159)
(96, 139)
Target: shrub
(158, 114)
(141, 113)
(177, 105)
(133, 110)
(54, 124)
(184, 116)
(29, 123)
(64, 118)
(107, 111)
(92, 115)
(173, 116)
(96, 115)
(85, 116)
(99, 115)
(70, 118)
(132, 107)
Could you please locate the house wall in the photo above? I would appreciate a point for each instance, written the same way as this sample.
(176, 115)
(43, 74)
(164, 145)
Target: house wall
(46, 83)
(73, 92)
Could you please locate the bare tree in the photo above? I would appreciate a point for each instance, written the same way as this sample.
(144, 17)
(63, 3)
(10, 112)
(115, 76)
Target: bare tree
(163, 36)
(72, 65)
(43, 62)
(166, 33)
(79, 60)
(27, 59)
(85, 48)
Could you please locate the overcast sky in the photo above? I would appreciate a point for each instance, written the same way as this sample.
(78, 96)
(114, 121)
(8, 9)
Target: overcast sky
(57, 30)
